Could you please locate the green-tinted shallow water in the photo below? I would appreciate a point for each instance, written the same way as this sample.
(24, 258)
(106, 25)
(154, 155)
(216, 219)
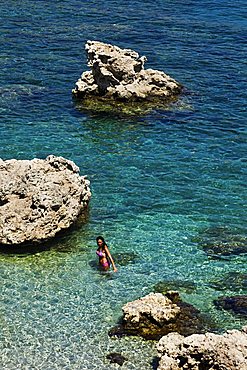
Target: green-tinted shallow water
(158, 181)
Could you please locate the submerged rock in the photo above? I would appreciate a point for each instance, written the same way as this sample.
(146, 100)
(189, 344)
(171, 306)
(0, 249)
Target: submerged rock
(237, 304)
(235, 281)
(156, 315)
(39, 198)
(180, 285)
(116, 358)
(118, 75)
(221, 241)
(204, 351)
(123, 259)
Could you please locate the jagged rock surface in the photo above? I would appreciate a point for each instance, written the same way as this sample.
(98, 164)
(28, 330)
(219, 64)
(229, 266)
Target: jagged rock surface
(204, 351)
(156, 315)
(39, 198)
(119, 74)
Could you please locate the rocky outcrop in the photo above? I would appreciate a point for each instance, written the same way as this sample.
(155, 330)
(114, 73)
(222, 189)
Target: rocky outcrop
(156, 315)
(119, 74)
(39, 198)
(204, 351)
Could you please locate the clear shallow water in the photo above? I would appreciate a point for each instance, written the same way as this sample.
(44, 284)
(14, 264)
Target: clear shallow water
(157, 181)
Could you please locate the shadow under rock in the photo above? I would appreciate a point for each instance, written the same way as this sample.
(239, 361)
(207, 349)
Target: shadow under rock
(117, 108)
(155, 363)
(63, 242)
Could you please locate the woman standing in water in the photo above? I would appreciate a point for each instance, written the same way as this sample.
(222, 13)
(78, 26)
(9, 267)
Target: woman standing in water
(105, 258)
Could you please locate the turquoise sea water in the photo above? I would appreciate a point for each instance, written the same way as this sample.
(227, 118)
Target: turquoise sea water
(158, 181)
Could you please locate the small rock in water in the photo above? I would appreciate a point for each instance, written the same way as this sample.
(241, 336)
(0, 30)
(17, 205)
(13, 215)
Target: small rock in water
(118, 80)
(116, 358)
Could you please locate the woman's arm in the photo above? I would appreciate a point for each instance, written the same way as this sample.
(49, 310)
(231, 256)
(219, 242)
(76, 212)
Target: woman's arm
(110, 258)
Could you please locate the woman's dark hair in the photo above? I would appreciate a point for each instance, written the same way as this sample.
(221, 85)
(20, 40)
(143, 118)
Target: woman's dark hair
(101, 238)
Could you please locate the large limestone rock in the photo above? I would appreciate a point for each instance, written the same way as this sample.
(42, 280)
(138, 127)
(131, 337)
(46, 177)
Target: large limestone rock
(204, 351)
(119, 74)
(156, 315)
(38, 198)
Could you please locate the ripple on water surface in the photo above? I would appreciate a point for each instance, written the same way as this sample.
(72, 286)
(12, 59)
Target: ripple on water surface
(160, 182)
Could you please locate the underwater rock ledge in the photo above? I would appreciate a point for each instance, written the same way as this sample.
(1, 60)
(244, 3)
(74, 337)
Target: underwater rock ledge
(118, 81)
(236, 304)
(39, 198)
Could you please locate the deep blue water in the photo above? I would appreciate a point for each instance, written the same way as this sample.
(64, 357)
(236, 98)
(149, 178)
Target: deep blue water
(158, 181)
